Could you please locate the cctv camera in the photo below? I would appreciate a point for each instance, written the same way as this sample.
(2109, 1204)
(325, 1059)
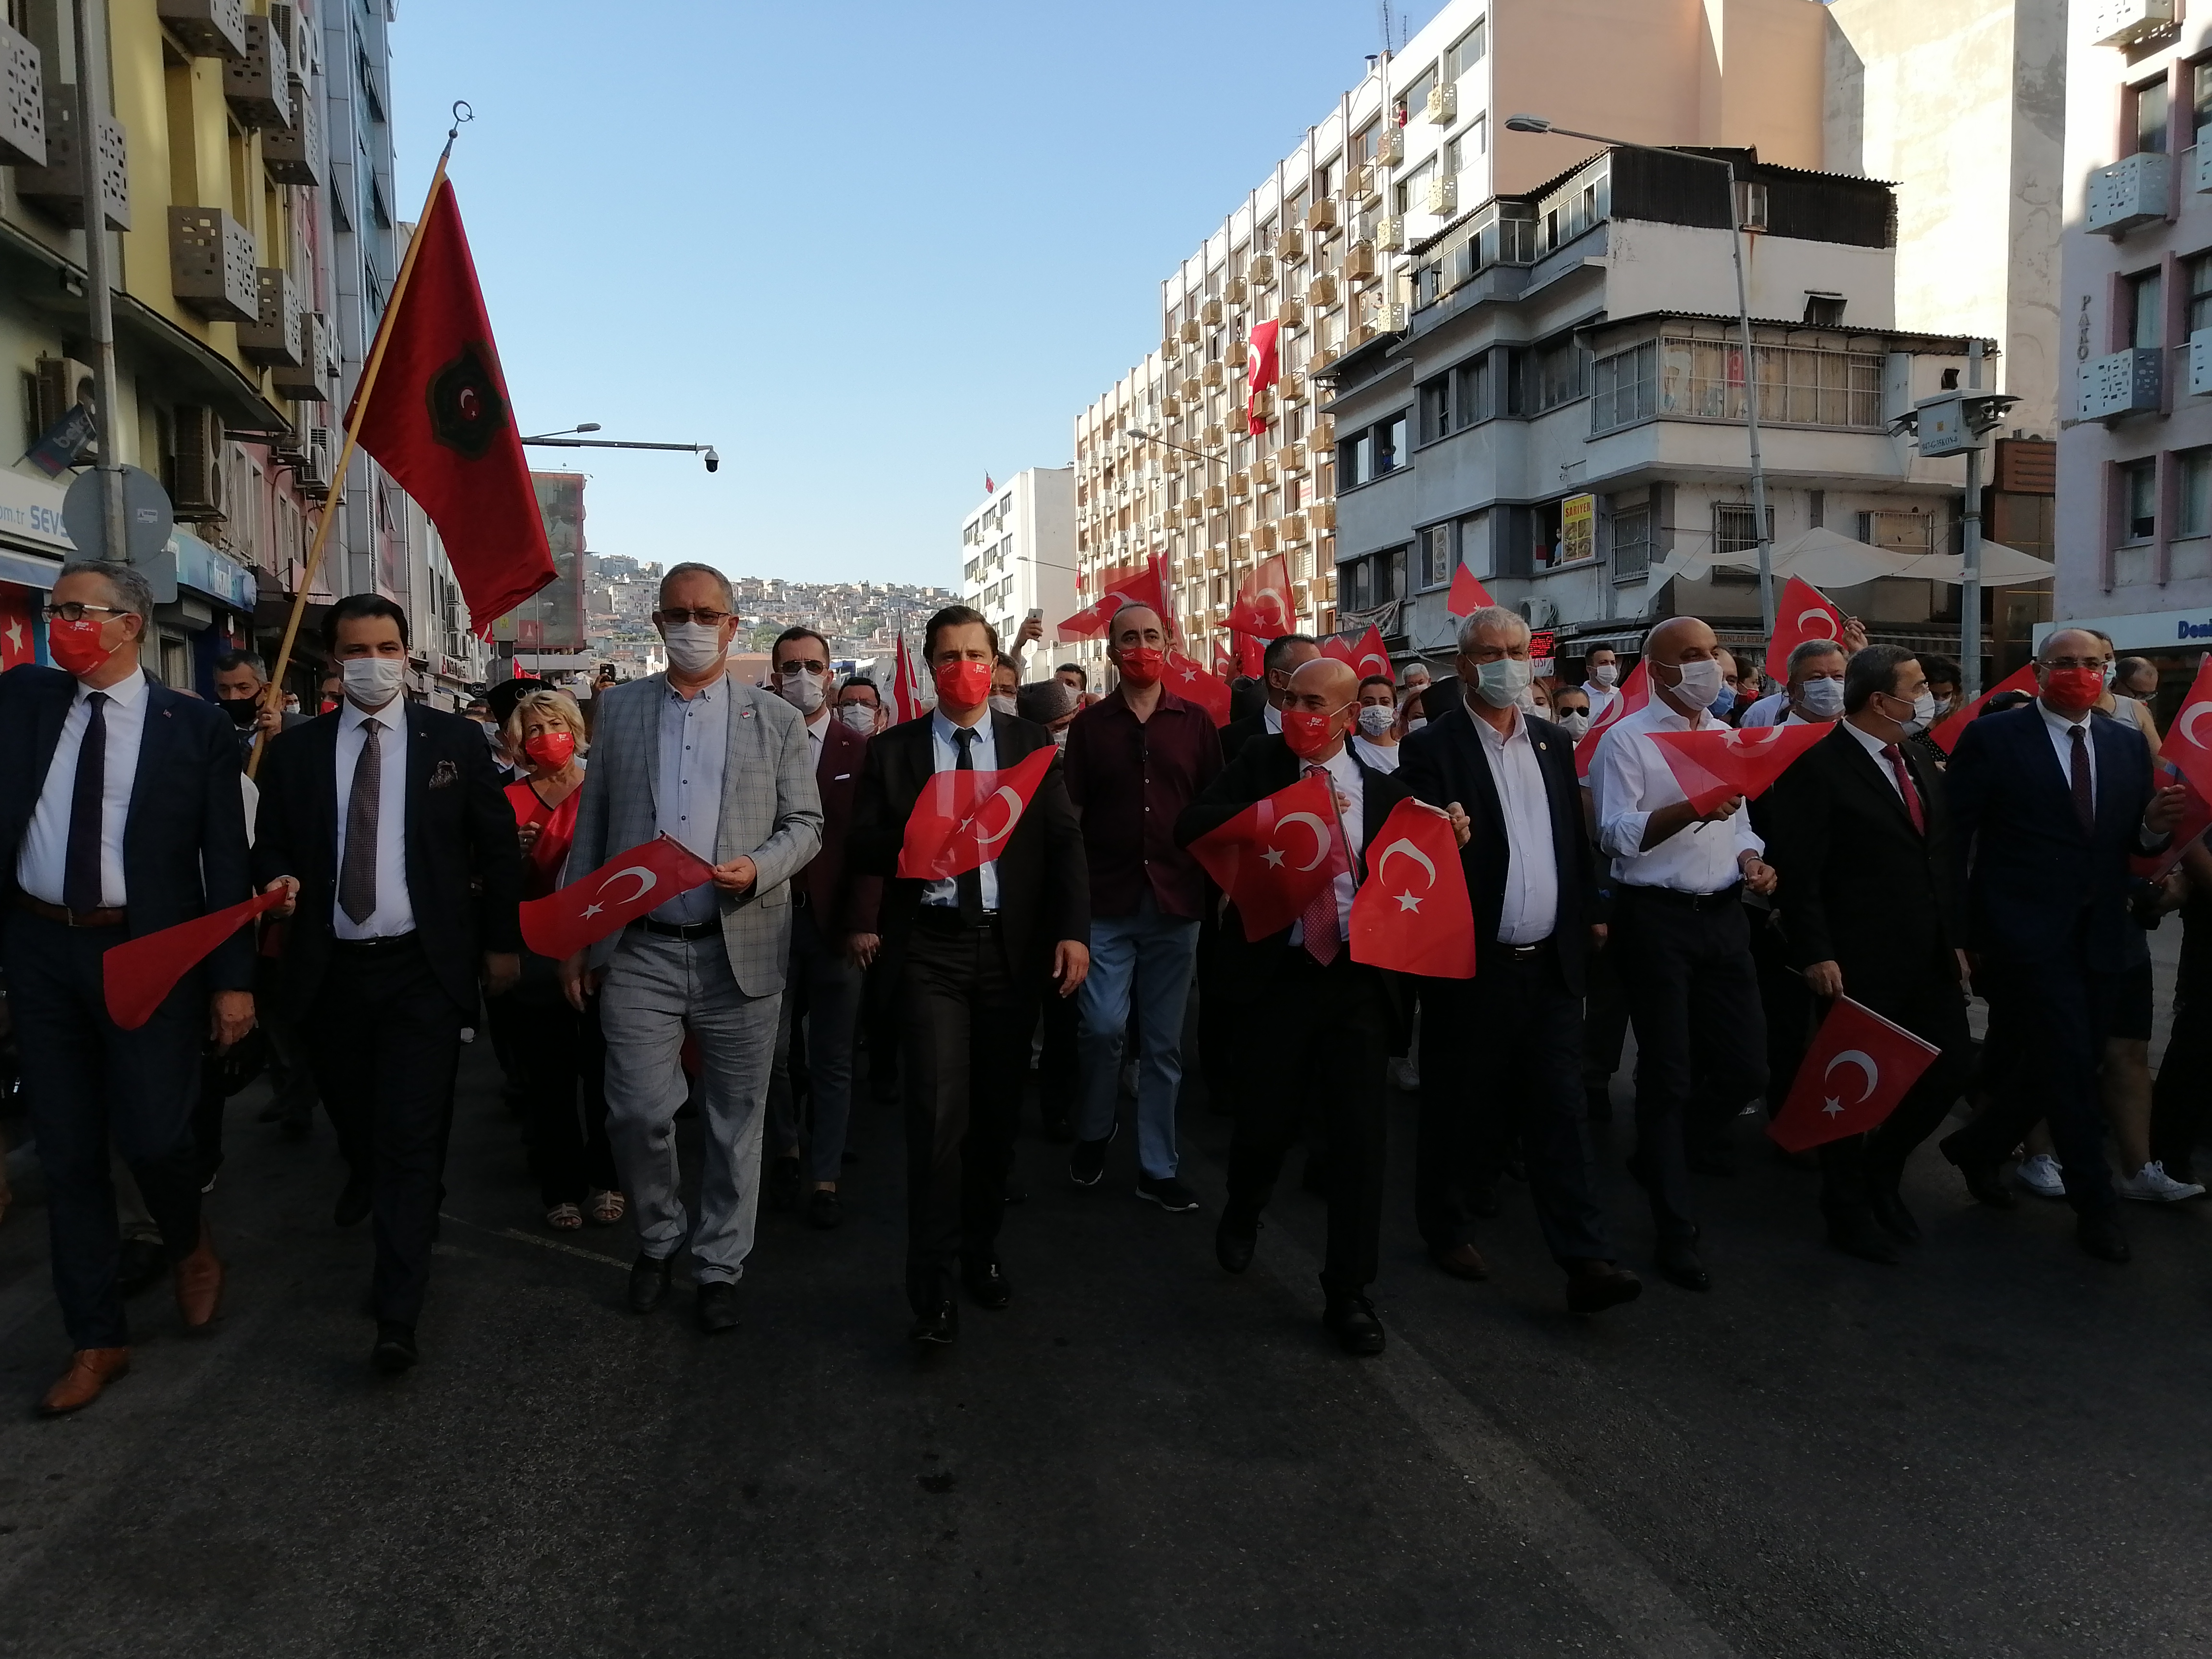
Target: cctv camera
(714, 462)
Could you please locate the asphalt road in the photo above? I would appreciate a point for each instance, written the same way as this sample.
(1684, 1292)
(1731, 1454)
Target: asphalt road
(1996, 1449)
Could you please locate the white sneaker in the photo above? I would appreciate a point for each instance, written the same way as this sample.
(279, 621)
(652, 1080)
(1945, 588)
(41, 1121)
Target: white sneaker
(2041, 1175)
(2153, 1185)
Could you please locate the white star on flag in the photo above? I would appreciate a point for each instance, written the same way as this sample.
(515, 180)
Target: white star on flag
(1408, 901)
(15, 634)
(591, 910)
(1272, 858)
(1834, 1107)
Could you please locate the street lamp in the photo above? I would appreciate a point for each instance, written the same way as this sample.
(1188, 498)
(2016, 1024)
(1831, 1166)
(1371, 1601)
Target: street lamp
(1537, 124)
(561, 441)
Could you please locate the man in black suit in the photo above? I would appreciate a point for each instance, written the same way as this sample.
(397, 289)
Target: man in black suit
(385, 821)
(1284, 656)
(1502, 1053)
(1858, 831)
(124, 818)
(969, 956)
(241, 691)
(2049, 802)
(1312, 1024)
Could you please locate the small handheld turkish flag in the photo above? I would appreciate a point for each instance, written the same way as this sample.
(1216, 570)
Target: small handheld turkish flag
(1415, 918)
(1194, 685)
(1138, 585)
(1273, 857)
(618, 893)
(1251, 655)
(1467, 595)
(1945, 733)
(1851, 1078)
(2188, 745)
(1635, 692)
(137, 975)
(1263, 600)
(2196, 819)
(1365, 651)
(1715, 763)
(961, 820)
(1802, 614)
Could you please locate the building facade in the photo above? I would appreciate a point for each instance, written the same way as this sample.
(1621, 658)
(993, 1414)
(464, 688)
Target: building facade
(1017, 556)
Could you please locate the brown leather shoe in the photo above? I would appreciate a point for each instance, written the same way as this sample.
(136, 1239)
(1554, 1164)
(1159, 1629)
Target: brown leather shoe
(199, 1284)
(1462, 1261)
(1594, 1286)
(90, 1371)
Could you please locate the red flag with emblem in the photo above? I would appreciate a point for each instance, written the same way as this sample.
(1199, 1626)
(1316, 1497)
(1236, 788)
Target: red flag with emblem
(1945, 733)
(1263, 600)
(136, 976)
(1858, 1068)
(1365, 651)
(618, 893)
(1718, 761)
(1467, 595)
(2188, 745)
(1412, 913)
(906, 684)
(961, 820)
(2196, 819)
(18, 639)
(1273, 857)
(1138, 585)
(1194, 685)
(1259, 372)
(1635, 692)
(1802, 613)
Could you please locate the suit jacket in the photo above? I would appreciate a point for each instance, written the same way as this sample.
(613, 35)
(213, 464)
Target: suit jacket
(184, 839)
(1044, 882)
(1237, 733)
(1443, 763)
(1857, 884)
(771, 812)
(463, 871)
(246, 734)
(2037, 884)
(844, 900)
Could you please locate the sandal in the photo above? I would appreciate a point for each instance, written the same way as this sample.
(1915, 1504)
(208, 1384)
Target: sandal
(607, 1208)
(564, 1218)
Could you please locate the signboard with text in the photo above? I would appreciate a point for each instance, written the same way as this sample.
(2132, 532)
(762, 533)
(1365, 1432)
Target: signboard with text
(1577, 528)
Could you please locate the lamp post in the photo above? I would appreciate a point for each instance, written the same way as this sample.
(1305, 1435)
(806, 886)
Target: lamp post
(560, 439)
(1537, 124)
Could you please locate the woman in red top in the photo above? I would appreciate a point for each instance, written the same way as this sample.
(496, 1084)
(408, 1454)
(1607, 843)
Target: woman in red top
(557, 1051)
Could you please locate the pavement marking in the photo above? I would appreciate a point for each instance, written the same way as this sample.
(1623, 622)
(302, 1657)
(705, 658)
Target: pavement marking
(520, 1236)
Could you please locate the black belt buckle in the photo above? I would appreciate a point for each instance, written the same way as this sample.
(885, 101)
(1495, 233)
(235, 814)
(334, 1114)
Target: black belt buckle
(686, 930)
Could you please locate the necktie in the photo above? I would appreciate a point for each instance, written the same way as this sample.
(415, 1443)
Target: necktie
(81, 888)
(1322, 925)
(969, 883)
(2085, 798)
(1895, 757)
(357, 875)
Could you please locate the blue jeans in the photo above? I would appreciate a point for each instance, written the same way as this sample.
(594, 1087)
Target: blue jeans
(1147, 956)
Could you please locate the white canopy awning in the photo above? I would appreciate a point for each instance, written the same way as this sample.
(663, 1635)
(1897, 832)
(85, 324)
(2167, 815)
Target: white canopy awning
(1828, 560)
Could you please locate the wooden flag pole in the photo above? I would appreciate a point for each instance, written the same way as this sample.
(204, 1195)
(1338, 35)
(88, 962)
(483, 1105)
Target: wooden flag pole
(273, 693)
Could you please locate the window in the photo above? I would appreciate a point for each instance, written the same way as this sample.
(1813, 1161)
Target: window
(1898, 533)
(1471, 391)
(1558, 373)
(1362, 149)
(2139, 500)
(2200, 95)
(1632, 539)
(1802, 386)
(1367, 455)
(1474, 543)
(1732, 527)
(1356, 586)
(1436, 556)
(1416, 95)
(1390, 445)
(2145, 294)
(1624, 388)
(2149, 107)
(1467, 52)
(1823, 310)
(1436, 409)
(2193, 493)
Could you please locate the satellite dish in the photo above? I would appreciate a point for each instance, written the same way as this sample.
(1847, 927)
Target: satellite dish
(148, 520)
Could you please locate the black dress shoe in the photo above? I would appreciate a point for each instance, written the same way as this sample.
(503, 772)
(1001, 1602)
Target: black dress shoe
(139, 1265)
(1462, 1261)
(1594, 1286)
(1855, 1233)
(1234, 1237)
(353, 1202)
(648, 1282)
(1059, 1128)
(2101, 1235)
(783, 1183)
(1351, 1321)
(986, 1286)
(1485, 1199)
(1984, 1180)
(395, 1347)
(1679, 1264)
(1597, 1105)
(1891, 1215)
(718, 1306)
(937, 1327)
(825, 1209)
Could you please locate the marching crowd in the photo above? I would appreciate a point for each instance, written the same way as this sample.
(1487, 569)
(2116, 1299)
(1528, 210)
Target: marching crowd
(395, 845)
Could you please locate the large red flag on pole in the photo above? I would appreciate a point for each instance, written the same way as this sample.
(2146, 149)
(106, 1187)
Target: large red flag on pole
(1136, 585)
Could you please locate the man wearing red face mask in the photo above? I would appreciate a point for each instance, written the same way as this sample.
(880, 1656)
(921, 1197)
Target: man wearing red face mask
(123, 817)
(2049, 802)
(969, 956)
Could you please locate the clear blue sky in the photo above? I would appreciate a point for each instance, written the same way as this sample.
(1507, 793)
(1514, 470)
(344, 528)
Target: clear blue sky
(869, 251)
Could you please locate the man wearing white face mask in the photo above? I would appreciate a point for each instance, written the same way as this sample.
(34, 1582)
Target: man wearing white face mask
(1815, 693)
(1375, 740)
(860, 705)
(1600, 678)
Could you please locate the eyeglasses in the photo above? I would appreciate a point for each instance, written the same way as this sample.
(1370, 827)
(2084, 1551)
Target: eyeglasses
(73, 612)
(2097, 663)
(816, 666)
(676, 617)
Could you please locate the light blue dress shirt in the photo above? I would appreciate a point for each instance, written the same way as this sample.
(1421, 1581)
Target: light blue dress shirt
(946, 751)
(687, 805)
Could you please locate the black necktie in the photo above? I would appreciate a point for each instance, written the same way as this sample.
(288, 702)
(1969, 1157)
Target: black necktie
(2085, 798)
(81, 888)
(969, 883)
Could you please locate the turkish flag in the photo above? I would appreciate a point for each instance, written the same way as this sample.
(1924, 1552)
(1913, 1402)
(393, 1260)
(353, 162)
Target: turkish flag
(1365, 651)
(1851, 1078)
(2196, 819)
(961, 819)
(1263, 600)
(1467, 595)
(1718, 761)
(1945, 733)
(1415, 919)
(1138, 585)
(1194, 685)
(438, 419)
(1251, 656)
(1803, 614)
(618, 893)
(1259, 372)
(906, 684)
(19, 641)
(1273, 857)
(1635, 692)
(2188, 745)
(135, 976)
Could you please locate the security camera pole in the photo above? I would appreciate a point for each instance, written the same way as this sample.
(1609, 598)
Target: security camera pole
(561, 441)
(100, 321)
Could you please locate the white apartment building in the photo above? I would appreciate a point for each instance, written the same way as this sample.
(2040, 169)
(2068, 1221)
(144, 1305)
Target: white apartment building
(1017, 555)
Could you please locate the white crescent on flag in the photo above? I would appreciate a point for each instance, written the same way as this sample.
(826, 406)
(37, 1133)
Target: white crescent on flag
(2186, 725)
(1758, 738)
(1401, 845)
(1827, 630)
(647, 881)
(1012, 797)
(1321, 836)
(1864, 1061)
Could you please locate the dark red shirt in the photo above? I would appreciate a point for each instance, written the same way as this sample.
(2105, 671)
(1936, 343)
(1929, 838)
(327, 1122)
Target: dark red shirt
(1130, 779)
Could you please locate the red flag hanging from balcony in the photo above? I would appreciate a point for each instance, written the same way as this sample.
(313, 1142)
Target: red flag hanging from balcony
(1259, 372)
(1263, 600)
(1138, 585)
(437, 417)
(1803, 613)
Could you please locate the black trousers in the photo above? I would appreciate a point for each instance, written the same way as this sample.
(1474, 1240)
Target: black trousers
(1327, 1050)
(1501, 1056)
(1932, 1006)
(386, 1038)
(1789, 1008)
(1605, 1018)
(90, 1084)
(291, 1079)
(559, 1061)
(1700, 1035)
(964, 1028)
(1060, 1073)
(2181, 1100)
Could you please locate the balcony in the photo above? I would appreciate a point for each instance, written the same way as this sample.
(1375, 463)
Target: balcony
(1443, 104)
(2124, 22)
(2125, 383)
(211, 269)
(58, 187)
(2132, 191)
(1443, 195)
(1290, 245)
(23, 103)
(1322, 216)
(293, 154)
(206, 28)
(259, 84)
(274, 337)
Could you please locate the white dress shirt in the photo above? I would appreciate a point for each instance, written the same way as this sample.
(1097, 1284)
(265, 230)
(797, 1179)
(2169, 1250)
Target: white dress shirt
(984, 757)
(694, 735)
(2062, 740)
(1531, 909)
(1767, 711)
(1874, 746)
(1600, 696)
(1630, 781)
(394, 913)
(1345, 777)
(1272, 718)
(43, 862)
(1381, 757)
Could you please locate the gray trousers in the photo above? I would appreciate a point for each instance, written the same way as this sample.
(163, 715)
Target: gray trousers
(822, 986)
(656, 990)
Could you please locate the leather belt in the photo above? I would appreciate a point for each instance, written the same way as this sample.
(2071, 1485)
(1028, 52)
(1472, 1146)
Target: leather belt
(945, 919)
(1527, 953)
(1675, 897)
(112, 915)
(380, 942)
(679, 929)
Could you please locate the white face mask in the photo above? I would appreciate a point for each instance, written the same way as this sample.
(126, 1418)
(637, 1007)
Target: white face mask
(372, 682)
(860, 716)
(1374, 719)
(1002, 705)
(1503, 682)
(693, 648)
(1924, 712)
(1059, 737)
(1700, 684)
(802, 691)
(1574, 724)
(1606, 673)
(1416, 724)
(1823, 699)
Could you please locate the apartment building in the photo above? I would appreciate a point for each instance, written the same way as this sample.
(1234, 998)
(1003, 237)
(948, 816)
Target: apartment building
(2135, 462)
(1017, 555)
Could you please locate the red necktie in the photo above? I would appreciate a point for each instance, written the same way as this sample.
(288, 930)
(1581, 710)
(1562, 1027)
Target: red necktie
(2084, 798)
(1895, 757)
(1321, 921)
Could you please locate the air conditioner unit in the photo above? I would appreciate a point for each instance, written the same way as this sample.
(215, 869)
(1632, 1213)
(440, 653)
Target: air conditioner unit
(1192, 387)
(2134, 190)
(1322, 291)
(1193, 510)
(62, 384)
(1323, 514)
(1293, 458)
(1390, 147)
(2125, 383)
(277, 336)
(1240, 485)
(1235, 292)
(2200, 363)
(58, 187)
(1190, 332)
(206, 28)
(195, 467)
(1323, 436)
(1322, 216)
(1294, 388)
(22, 102)
(1292, 528)
(1236, 354)
(259, 84)
(1442, 194)
(1291, 313)
(2124, 22)
(1389, 319)
(1539, 612)
(1263, 537)
(1389, 235)
(1359, 262)
(1214, 437)
(1216, 497)
(1290, 245)
(1443, 104)
(1262, 273)
(1212, 376)
(1263, 471)
(1170, 404)
(1209, 313)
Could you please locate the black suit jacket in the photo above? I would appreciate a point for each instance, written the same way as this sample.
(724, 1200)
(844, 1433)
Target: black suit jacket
(183, 841)
(1044, 883)
(1857, 884)
(844, 901)
(463, 871)
(1443, 763)
(1237, 733)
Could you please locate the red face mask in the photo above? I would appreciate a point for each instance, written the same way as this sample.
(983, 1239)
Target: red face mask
(1309, 733)
(2073, 688)
(329, 705)
(75, 646)
(553, 749)
(963, 685)
(1143, 664)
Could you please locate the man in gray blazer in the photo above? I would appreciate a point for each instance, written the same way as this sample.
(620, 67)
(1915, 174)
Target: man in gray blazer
(725, 769)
